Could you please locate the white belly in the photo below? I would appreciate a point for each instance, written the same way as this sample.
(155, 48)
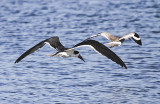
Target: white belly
(65, 54)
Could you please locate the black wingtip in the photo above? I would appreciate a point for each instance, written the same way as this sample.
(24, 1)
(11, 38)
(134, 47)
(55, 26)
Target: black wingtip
(16, 61)
(125, 66)
(139, 42)
(19, 59)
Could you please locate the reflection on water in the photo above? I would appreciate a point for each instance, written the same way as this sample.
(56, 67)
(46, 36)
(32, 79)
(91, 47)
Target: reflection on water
(39, 79)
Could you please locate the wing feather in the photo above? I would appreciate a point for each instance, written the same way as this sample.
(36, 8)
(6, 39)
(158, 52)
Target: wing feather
(102, 49)
(106, 35)
(53, 41)
(99, 34)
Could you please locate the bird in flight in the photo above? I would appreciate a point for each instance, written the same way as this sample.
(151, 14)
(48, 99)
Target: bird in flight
(55, 43)
(117, 41)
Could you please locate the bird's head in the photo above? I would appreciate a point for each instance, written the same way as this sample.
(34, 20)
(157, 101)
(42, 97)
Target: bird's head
(76, 53)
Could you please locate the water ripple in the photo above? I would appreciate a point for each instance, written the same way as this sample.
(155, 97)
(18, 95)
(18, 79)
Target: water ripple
(44, 80)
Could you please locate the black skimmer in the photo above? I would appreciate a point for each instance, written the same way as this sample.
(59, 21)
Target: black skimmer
(117, 41)
(54, 43)
(70, 52)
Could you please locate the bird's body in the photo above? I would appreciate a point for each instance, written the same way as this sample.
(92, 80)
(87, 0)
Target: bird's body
(117, 41)
(70, 52)
(65, 54)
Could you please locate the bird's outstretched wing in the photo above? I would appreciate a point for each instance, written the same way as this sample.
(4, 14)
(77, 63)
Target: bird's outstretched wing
(101, 49)
(106, 35)
(53, 42)
(99, 34)
(133, 36)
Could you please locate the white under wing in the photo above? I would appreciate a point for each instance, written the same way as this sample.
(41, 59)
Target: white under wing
(85, 46)
(50, 45)
(136, 38)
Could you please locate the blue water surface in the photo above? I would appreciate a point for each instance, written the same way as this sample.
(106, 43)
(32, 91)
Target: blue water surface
(39, 79)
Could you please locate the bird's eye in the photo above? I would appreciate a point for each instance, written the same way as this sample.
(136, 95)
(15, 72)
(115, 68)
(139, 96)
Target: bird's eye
(76, 52)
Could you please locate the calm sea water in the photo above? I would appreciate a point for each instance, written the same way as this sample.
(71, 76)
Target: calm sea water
(38, 79)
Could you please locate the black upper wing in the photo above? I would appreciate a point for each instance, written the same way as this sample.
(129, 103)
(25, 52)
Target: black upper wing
(102, 49)
(53, 41)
